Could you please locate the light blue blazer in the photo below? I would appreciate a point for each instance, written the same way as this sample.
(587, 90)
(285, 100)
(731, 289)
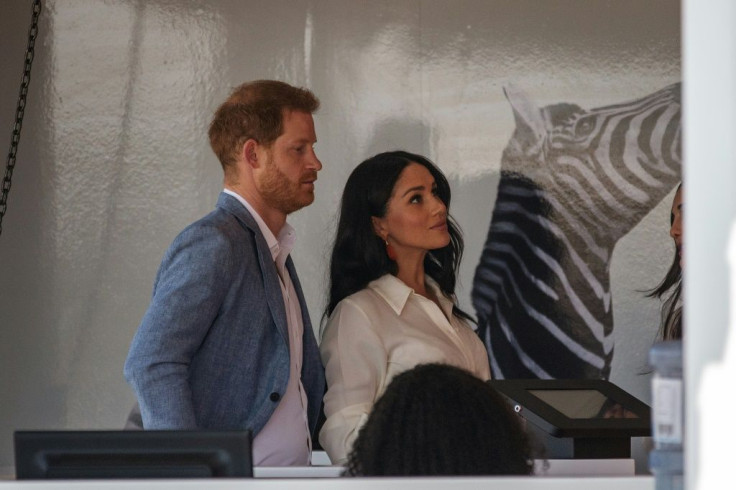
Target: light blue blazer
(212, 349)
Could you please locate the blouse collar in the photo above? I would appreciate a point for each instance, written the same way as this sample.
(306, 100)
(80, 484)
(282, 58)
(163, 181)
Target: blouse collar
(396, 293)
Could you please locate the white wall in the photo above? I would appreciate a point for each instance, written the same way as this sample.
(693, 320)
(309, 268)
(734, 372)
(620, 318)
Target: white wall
(114, 158)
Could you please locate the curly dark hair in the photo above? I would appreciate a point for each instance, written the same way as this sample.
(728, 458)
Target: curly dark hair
(670, 291)
(437, 419)
(359, 255)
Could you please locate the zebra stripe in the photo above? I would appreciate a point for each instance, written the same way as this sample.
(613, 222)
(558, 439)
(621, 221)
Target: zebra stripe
(528, 361)
(504, 248)
(516, 209)
(545, 322)
(580, 308)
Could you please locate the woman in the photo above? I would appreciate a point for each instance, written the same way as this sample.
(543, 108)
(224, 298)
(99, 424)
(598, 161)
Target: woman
(451, 423)
(392, 283)
(671, 285)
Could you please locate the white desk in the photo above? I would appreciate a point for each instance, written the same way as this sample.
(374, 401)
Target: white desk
(552, 467)
(485, 483)
(322, 469)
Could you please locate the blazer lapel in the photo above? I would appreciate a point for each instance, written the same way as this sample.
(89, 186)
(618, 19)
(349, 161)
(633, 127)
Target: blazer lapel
(300, 294)
(271, 285)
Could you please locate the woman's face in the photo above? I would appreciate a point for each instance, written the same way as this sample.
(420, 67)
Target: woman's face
(676, 220)
(416, 218)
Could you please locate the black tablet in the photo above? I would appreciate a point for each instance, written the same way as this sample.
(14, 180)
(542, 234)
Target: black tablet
(587, 408)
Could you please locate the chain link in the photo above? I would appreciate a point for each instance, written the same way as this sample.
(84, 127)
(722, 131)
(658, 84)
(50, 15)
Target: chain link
(15, 137)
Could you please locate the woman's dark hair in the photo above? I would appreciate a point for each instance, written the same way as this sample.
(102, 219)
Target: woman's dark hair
(671, 290)
(437, 419)
(359, 255)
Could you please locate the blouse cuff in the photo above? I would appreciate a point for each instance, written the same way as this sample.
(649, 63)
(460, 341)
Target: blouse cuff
(341, 429)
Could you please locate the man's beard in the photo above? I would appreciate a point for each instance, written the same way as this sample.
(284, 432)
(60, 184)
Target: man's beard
(281, 193)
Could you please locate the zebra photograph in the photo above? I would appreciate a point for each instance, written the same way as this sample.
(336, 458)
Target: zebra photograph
(573, 182)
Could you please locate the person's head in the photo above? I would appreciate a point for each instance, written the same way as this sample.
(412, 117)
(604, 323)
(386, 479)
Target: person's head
(676, 224)
(263, 135)
(437, 419)
(398, 199)
(671, 286)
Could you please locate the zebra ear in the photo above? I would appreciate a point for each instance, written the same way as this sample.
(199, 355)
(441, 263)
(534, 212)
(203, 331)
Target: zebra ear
(530, 126)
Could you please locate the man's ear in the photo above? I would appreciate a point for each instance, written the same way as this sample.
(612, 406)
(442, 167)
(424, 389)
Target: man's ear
(379, 227)
(250, 151)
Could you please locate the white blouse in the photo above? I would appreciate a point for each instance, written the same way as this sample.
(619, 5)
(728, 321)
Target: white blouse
(377, 333)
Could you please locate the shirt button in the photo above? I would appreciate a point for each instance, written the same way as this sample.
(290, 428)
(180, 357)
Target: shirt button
(275, 397)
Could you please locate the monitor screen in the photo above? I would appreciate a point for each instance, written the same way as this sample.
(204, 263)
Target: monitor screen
(584, 404)
(132, 454)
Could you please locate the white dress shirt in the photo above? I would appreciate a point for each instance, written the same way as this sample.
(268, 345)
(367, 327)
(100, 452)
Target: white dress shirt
(285, 439)
(377, 333)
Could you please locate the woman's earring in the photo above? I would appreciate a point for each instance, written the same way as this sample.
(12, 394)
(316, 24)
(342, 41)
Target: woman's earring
(390, 251)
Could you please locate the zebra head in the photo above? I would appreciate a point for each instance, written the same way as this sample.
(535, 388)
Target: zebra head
(573, 182)
(609, 166)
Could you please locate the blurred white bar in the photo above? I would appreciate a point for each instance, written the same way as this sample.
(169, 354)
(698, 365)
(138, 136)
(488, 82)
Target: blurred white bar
(709, 170)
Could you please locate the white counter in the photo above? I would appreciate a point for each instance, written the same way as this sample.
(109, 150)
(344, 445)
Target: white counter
(485, 483)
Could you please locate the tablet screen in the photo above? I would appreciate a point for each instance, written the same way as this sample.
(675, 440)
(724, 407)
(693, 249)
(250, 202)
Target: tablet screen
(584, 404)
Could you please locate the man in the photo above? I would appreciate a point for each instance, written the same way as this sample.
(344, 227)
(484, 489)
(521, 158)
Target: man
(226, 342)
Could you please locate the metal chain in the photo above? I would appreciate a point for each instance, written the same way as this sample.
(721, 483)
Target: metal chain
(25, 81)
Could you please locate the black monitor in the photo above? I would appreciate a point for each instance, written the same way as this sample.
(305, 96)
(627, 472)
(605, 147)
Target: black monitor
(578, 418)
(132, 454)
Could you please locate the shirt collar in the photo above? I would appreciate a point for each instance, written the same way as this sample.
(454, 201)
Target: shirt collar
(396, 293)
(279, 247)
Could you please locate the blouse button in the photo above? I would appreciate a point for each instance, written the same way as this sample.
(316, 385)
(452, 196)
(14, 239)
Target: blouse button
(275, 397)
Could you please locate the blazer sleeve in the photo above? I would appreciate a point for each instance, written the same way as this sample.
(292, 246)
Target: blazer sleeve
(189, 290)
(356, 365)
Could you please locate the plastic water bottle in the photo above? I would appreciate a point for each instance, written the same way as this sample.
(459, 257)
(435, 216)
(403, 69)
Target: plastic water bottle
(666, 459)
